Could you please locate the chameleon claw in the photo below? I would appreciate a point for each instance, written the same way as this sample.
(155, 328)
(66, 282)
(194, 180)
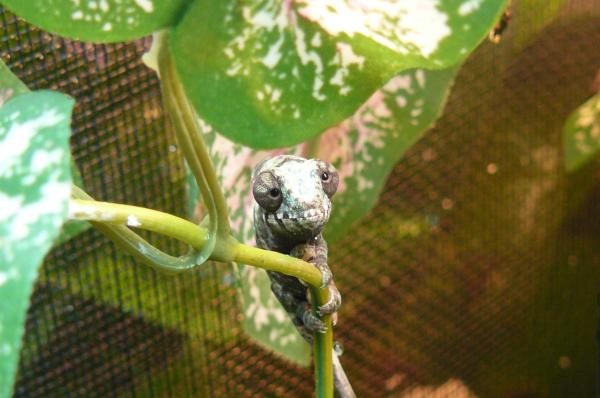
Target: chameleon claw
(335, 301)
(313, 323)
(326, 275)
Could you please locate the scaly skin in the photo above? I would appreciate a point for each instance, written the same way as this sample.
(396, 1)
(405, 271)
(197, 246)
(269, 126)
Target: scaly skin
(293, 198)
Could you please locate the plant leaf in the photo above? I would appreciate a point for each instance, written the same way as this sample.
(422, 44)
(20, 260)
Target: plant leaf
(364, 148)
(582, 134)
(10, 86)
(36, 183)
(272, 73)
(99, 21)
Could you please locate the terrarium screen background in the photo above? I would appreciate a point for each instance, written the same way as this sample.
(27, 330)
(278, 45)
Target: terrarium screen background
(476, 274)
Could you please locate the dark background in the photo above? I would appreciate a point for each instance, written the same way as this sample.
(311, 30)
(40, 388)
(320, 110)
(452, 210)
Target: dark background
(493, 295)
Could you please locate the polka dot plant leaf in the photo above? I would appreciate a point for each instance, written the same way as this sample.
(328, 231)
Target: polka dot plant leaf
(35, 184)
(99, 20)
(273, 73)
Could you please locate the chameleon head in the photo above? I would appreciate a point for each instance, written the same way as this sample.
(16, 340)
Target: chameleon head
(293, 195)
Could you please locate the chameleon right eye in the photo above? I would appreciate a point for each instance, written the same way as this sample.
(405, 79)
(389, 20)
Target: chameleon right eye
(266, 191)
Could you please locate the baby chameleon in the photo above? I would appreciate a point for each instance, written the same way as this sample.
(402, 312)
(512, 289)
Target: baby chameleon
(293, 203)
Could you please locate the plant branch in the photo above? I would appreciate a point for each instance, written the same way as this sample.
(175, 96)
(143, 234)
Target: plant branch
(323, 348)
(135, 245)
(187, 130)
(193, 235)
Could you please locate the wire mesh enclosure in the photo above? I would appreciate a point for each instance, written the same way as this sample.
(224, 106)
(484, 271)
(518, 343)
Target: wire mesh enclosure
(476, 274)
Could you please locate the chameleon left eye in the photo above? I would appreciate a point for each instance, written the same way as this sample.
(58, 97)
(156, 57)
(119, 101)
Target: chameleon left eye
(329, 178)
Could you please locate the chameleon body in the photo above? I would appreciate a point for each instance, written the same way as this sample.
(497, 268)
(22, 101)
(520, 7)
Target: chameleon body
(293, 204)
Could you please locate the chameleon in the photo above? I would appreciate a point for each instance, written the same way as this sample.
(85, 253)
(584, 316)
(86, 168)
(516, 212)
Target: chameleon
(293, 204)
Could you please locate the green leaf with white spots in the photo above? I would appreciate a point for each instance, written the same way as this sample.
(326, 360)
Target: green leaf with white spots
(10, 86)
(272, 73)
(99, 21)
(364, 148)
(582, 134)
(35, 184)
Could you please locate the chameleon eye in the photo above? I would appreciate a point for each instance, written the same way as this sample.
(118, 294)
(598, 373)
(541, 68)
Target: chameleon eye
(266, 191)
(329, 178)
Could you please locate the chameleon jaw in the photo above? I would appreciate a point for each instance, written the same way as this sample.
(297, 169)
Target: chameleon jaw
(310, 215)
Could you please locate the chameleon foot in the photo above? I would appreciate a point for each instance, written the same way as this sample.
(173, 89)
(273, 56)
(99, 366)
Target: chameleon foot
(335, 301)
(327, 276)
(312, 323)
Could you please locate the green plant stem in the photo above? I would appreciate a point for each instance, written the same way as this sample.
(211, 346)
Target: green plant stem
(323, 348)
(135, 245)
(187, 130)
(106, 216)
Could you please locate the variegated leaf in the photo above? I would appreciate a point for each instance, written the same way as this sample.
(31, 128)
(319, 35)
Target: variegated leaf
(364, 148)
(99, 20)
(271, 73)
(582, 134)
(10, 86)
(35, 184)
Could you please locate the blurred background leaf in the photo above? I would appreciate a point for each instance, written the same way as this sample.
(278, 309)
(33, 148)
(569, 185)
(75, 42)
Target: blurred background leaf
(582, 134)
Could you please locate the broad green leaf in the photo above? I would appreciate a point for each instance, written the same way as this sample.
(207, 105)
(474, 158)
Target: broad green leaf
(99, 20)
(11, 85)
(35, 184)
(582, 134)
(271, 73)
(364, 148)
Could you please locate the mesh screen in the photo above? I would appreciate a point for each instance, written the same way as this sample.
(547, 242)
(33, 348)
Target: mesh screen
(476, 274)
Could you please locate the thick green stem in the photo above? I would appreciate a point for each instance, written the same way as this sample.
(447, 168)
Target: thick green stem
(323, 348)
(135, 245)
(187, 130)
(193, 235)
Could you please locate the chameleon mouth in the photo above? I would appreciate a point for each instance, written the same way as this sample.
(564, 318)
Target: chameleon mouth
(312, 214)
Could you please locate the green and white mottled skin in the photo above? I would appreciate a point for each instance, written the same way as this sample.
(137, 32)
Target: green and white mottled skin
(293, 204)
